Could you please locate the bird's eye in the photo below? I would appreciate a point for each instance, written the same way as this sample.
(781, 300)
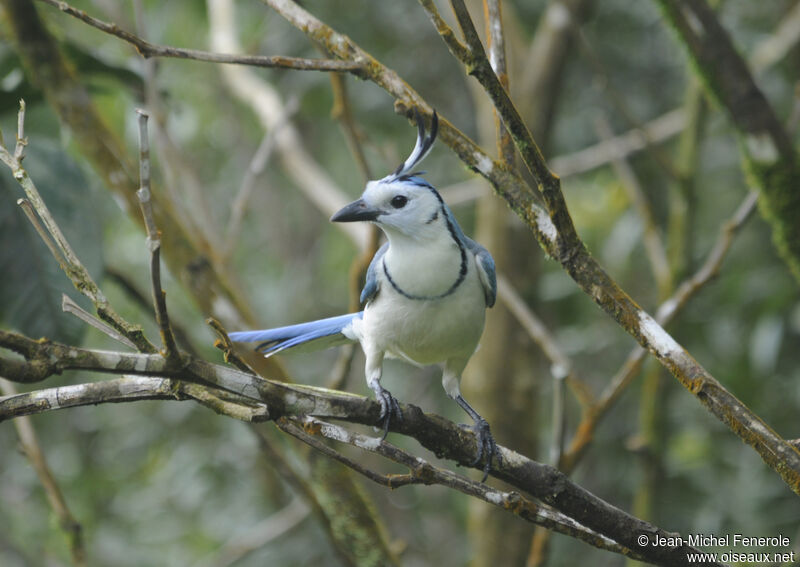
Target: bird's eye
(399, 201)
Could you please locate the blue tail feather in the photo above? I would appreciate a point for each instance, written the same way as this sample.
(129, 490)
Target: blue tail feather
(314, 335)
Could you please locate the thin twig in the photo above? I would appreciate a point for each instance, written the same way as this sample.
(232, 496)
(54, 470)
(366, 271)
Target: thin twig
(266, 103)
(311, 425)
(257, 536)
(154, 244)
(22, 141)
(225, 344)
(617, 100)
(29, 442)
(665, 313)
(27, 208)
(183, 191)
(497, 58)
(147, 49)
(65, 255)
(69, 306)
(560, 364)
(254, 169)
(653, 243)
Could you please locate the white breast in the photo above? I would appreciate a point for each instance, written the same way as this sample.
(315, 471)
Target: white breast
(427, 270)
(428, 331)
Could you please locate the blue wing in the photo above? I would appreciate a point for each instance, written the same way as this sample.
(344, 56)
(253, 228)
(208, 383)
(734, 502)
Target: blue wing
(486, 270)
(303, 337)
(371, 285)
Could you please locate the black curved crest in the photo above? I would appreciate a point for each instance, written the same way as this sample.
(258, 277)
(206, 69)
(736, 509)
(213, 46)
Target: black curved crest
(422, 147)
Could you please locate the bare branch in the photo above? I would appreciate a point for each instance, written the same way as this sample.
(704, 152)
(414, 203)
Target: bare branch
(442, 437)
(22, 141)
(147, 49)
(653, 243)
(637, 139)
(423, 472)
(129, 388)
(27, 208)
(69, 306)
(154, 244)
(497, 58)
(666, 313)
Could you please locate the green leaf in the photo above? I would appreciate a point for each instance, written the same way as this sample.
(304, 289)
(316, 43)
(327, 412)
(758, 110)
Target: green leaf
(31, 283)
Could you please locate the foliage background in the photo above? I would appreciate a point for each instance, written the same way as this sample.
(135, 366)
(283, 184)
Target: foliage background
(168, 483)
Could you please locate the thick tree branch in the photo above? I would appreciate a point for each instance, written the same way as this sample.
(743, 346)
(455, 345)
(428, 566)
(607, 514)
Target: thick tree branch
(665, 314)
(557, 235)
(129, 388)
(512, 187)
(593, 279)
(442, 437)
(422, 472)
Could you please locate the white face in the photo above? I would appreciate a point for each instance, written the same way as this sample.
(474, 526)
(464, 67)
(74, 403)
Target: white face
(404, 207)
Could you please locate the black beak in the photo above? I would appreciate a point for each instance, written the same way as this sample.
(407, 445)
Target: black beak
(356, 211)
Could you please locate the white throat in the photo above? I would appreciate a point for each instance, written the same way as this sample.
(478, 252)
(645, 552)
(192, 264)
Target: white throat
(424, 268)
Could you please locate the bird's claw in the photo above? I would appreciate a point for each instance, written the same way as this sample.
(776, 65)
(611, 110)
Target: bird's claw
(486, 447)
(389, 408)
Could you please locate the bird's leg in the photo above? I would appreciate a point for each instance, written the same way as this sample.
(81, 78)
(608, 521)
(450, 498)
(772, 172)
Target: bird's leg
(486, 444)
(389, 406)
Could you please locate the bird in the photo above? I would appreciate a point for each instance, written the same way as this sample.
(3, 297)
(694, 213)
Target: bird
(425, 296)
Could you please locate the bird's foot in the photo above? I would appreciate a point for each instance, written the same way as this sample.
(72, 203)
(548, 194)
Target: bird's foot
(389, 409)
(487, 448)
